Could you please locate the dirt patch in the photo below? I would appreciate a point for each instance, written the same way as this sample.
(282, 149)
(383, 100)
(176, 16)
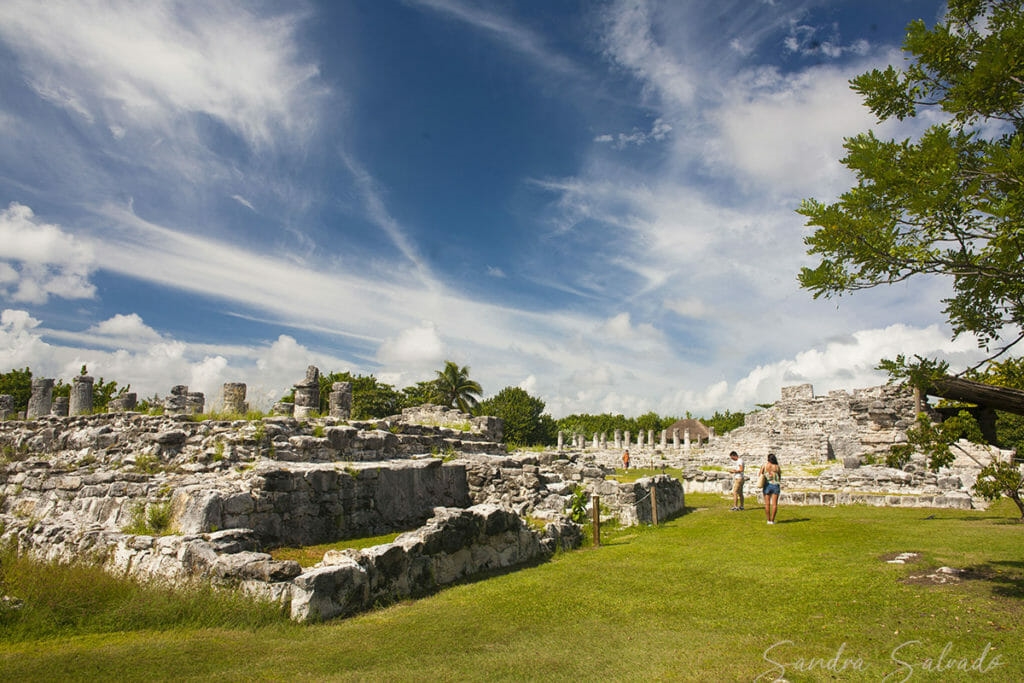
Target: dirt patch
(900, 558)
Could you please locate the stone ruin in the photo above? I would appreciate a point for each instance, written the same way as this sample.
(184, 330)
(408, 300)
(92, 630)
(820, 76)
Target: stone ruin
(832, 450)
(230, 489)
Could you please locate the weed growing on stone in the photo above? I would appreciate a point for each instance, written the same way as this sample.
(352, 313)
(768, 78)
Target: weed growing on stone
(578, 504)
(151, 520)
(147, 464)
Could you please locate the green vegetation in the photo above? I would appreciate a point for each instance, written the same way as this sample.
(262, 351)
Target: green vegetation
(225, 416)
(17, 383)
(665, 603)
(606, 423)
(634, 473)
(525, 422)
(947, 204)
(150, 520)
(455, 388)
(82, 602)
(309, 555)
(147, 464)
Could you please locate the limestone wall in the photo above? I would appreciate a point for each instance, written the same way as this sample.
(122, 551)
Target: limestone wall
(801, 428)
(454, 544)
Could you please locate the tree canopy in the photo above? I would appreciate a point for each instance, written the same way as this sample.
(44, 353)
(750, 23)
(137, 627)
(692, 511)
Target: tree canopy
(525, 422)
(455, 388)
(950, 203)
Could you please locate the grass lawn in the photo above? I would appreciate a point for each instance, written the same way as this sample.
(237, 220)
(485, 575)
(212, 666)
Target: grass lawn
(711, 595)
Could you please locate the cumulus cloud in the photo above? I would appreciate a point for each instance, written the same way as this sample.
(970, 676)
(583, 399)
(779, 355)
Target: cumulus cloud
(413, 350)
(126, 327)
(39, 260)
(150, 369)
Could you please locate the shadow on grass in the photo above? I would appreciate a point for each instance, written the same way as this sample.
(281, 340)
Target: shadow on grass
(1006, 577)
(795, 520)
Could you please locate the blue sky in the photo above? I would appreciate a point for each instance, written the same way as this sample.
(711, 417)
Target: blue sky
(591, 200)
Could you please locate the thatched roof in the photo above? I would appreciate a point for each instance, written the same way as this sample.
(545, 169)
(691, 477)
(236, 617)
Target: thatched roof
(696, 427)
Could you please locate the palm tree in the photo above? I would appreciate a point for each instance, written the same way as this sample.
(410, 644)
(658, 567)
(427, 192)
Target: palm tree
(455, 388)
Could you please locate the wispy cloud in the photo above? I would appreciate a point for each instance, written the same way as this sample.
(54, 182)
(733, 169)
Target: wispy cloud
(505, 30)
(147, 65)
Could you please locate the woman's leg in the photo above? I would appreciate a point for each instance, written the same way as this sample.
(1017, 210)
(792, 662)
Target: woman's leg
(774, 503)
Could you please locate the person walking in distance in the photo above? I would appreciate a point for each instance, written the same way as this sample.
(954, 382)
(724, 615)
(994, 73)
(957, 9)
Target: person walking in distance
(772, 486)
(737, 481)
(625, 459)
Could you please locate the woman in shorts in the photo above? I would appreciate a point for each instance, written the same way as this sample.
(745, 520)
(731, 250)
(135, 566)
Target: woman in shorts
(772, 485)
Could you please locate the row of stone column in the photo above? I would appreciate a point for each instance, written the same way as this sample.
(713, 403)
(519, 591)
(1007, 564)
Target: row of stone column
(80, 400)
(623, 439)
(307, 398)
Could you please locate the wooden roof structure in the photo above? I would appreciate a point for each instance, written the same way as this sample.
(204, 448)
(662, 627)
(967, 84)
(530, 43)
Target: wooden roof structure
(985, 395)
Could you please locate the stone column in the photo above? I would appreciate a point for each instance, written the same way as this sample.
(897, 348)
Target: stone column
(664, 439)
(650, 438)
(234, 398)
(283, 408)
(711, 435)
(177, 402)
(6, 406)
(124, 403)
(340, 400)
(686, 440)
(675, 438)
(41, 400)
(640, 440)
(61, 406)
(561, 439)
(596, 443)
(195, 403)
(627, 438)
(618, 439)
(604, 441)
(81, 396)
(307, 394)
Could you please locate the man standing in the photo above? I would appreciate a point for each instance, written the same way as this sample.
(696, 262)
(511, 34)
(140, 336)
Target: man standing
(737, 481)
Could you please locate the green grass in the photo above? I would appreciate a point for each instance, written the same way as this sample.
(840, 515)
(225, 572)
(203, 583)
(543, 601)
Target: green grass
(634, 473)
(711, 595)
(309, 555)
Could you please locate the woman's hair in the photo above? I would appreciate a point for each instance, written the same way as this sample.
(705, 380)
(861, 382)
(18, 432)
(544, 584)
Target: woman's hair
(772, 459)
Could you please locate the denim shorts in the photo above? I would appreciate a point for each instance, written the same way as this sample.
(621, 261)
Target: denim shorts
(771, 489)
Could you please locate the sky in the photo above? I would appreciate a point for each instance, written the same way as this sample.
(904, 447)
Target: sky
(593, 201)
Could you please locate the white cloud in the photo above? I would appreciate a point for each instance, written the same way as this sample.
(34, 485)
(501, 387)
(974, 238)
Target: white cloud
(269, 370)
(786, 132)
(149, 63)
(659, 131)
(414, 349)
(243, 201)
(689, 307)
(126, 327)
(506, 31)
(631, 42)
(40, 260)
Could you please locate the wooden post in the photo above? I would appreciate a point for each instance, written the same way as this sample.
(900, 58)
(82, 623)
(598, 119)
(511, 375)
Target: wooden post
(596, 512)
(654, 504)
